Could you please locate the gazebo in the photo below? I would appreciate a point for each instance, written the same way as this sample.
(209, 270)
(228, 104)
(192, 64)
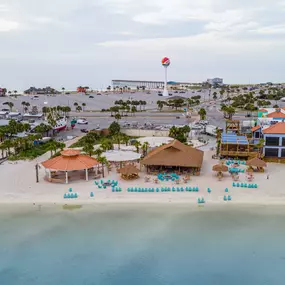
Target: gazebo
(129, 172)
(220, 168)
(69, 161)
(258, 163)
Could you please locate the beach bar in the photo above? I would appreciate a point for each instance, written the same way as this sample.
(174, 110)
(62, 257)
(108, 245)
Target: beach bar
(64, 167)
(174, 157)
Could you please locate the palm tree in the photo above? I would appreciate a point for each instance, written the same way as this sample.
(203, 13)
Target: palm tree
(230, 111)
(11, 105)
(75, 105)
(83, 105)
(7, 145)
(260, 146)
(27, 106)
(106, 144)
(63, 89)
(103, 160)
(118, 139)
(202, 113)
(160, 105)
(78, 108)
(15, 92)
(23, 105)
(98, 152)
(145, 147)
(118, 117)
(137, 144)
(133, 110)
(88, 148)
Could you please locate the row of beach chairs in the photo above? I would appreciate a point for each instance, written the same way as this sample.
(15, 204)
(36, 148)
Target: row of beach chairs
(164, 189)
(245, 185)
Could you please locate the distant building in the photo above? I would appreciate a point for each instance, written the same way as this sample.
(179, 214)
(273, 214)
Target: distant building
(216, 81)
(274, 137)
(41, 91)
(271, 127)
(3, 92)
(134, 84)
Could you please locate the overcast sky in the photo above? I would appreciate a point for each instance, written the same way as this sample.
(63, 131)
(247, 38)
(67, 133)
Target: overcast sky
(90, 42)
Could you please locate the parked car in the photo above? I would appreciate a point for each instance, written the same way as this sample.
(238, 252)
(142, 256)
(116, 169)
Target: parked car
(84, 131)
(82, 121)
(91, 97)
(99, 94)
(35, 97)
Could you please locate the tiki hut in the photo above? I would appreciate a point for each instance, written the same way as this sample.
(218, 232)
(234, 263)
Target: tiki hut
(129, 172)
(220, 168)
(70, 162)
(258, 163)
(174, 157)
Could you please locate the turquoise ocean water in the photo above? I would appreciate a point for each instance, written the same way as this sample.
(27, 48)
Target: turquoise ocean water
(110, 245)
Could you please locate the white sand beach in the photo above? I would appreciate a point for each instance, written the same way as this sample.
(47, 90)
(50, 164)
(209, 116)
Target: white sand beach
(18, 185)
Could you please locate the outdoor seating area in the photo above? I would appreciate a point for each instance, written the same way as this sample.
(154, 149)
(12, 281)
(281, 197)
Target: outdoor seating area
(174, 157)
(236, 170)
(168, 176)
(163, 189)
(104, 184)
(245, 185)
(70, 194)
(256, 165)
(237, 162)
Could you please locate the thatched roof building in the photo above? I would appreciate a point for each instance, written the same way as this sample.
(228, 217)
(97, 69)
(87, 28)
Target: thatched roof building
(129, 172)
(175, 154)
(220, 168)
(256, 162)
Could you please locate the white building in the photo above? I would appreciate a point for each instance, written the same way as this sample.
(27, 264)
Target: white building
(215, 81)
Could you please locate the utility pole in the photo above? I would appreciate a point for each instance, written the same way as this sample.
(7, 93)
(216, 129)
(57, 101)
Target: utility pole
(37, 172)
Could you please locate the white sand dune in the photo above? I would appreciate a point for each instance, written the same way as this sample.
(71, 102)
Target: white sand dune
(18, 185)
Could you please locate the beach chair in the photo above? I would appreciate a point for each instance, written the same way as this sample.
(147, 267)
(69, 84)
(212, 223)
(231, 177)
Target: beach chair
(75, 195)
(70, 189)
(65, 196)
(229, 198)
(69, 195)
(91, 194)
(226, 190)
(173, 189)
(225, 198)
(199, 201)
(202, 201)
(209, 190)
(234, 184)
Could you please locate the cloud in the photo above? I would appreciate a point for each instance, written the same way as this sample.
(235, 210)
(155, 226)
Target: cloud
(6, 26)
(90, 41)
(271, 30)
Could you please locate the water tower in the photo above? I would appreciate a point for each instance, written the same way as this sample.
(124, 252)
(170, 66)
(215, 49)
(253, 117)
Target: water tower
(165, 63)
